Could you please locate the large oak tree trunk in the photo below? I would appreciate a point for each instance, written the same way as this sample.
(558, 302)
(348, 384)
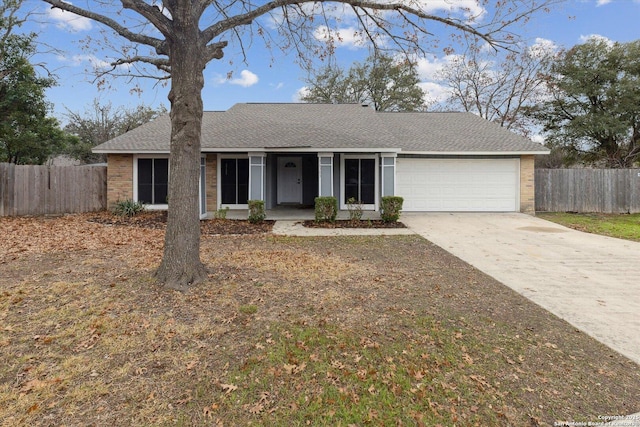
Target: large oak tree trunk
(181, 265)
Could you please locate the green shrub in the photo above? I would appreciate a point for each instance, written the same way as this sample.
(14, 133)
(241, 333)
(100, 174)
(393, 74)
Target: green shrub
(221, 213)
(128, 207)
(390, 208)
(355, 209)
(256, 211)
(326, 209)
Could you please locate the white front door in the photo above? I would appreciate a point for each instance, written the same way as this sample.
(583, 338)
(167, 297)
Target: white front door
(289, 180)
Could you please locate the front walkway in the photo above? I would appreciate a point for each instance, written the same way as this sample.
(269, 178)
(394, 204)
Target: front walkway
(590, 281)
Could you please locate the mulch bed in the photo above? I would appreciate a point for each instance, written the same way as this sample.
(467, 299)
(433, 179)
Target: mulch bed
(158, 220)
(376, 223)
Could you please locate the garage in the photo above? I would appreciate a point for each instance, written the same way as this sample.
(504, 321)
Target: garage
(459, 185)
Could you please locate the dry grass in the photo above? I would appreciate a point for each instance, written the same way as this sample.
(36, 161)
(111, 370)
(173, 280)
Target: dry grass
(287, 331)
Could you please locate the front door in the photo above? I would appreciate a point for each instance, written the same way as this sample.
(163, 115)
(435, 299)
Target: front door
(290, 180)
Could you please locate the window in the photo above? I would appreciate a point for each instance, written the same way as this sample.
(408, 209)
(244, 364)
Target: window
(388, 169)
(234, 181)
(153, 181)
(360, 180)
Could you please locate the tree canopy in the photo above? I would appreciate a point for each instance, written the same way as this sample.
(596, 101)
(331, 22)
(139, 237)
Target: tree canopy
(593, 112)
(27, 133)
(381, 81)
(185, 35)
(497, 85)
(100, 123)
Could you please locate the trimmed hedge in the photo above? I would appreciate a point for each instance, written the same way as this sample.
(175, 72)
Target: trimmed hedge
(256, 211)
(326, 209)
(390, 208)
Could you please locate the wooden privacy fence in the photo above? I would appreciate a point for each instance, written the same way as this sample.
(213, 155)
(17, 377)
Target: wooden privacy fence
(41, 190)
(588, 190)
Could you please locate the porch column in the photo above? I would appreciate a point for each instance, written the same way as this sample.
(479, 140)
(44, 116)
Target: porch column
(388, 174)
(325, 174)
(257, 162)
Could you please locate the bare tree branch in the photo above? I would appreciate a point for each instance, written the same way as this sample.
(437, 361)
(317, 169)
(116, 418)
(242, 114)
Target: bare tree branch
(152, 13)
(114, 25)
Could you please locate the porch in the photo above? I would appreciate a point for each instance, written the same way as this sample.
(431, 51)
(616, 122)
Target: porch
(286, 181)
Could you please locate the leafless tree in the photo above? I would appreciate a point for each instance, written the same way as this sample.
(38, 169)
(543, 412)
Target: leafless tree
(498, 85)
(185, 35)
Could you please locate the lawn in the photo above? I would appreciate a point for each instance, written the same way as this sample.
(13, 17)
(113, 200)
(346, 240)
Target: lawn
(623, 226)
(287, 331)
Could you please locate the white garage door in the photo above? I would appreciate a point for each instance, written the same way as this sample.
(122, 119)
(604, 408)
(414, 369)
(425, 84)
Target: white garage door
(473, 185)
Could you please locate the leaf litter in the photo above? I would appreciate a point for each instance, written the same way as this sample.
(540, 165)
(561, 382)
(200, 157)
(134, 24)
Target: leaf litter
(366, 330)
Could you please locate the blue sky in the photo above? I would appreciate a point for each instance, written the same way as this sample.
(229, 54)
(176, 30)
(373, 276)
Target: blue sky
(272, 76)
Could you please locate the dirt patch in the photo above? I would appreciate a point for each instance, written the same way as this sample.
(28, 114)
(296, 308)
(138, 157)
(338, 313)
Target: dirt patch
(381, 330)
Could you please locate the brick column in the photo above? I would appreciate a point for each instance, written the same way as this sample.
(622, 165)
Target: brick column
(212, 182)
(527, 185)
(119, 178)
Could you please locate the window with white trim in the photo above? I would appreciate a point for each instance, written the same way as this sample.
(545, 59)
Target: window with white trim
(153, 180)
(234, 181)
(360, 180)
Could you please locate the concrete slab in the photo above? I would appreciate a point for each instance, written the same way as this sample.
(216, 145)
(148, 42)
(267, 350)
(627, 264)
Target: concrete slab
(591, 281)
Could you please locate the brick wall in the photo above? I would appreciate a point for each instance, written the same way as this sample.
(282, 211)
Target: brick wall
(119, 178)
(212, 182)
(527, 185)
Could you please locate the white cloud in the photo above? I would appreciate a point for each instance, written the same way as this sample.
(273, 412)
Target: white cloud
(428, 68)
(542, 47)
(349, 37)
(602, 2)
(297, 97)
(78, 60)
(68, 21)
(277, 86)
(470, 8)
(596, 37)
(246, 79)
(434, 92)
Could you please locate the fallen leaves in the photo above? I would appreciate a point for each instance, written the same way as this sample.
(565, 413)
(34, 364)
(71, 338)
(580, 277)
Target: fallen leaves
(23, 236)
(228, 388)
(35, 385)
(295, 264)
(349, 330)
(294, 369)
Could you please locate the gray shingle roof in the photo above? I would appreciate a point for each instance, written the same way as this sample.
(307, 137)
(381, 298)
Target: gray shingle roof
(348, 127)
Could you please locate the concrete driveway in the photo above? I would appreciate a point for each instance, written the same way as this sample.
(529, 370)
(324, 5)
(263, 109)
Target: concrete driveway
(591, 281)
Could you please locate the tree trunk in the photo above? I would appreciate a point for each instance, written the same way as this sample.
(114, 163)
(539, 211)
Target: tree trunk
(181, 265)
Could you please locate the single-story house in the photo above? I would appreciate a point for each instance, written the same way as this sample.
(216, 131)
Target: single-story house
(288, 154)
